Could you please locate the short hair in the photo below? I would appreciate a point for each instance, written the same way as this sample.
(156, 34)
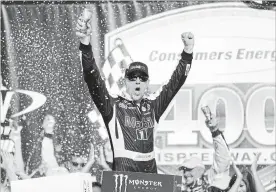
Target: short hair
(97, 184)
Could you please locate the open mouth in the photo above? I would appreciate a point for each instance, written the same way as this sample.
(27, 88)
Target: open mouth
(137, 90)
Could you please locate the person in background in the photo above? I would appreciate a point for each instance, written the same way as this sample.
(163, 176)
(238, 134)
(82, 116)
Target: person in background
(96, 187)
(249, 180)
(7, 156)
(77, 162)
(47, 151)
(217, 178)
(195, 177)
(255, 180)
(235, 185)
(80, 163)
(8, 168)
(106, 157)
(16, 126)
(9, 162)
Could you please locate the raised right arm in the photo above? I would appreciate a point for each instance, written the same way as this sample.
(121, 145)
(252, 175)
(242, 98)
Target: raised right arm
(95, 83)
(91, 73)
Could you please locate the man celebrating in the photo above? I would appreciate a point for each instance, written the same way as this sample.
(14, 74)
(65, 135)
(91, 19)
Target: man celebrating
(196, 178)
(131, 117)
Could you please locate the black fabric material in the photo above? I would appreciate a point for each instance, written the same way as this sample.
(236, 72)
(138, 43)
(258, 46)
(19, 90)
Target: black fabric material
(136, 122)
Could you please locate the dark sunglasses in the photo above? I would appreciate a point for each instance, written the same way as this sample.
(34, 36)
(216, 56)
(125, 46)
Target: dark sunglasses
(75, 164)
(134, 77)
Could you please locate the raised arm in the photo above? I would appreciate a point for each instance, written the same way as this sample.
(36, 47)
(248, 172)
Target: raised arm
(221, 158)
(91, 73)
(258, 185)
(9, 165)
(47, 152)
(177, 79)
(91, 160)
(102, 160)
(235, 186)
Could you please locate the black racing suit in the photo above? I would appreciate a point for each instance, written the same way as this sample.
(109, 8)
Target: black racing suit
(130, 127)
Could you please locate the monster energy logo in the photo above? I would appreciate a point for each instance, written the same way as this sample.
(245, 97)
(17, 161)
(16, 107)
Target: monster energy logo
(121, 183)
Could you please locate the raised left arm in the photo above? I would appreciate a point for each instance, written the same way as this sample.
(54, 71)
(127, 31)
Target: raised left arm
(257, 181)
(177, 79)
(236, 185)
(221, 158)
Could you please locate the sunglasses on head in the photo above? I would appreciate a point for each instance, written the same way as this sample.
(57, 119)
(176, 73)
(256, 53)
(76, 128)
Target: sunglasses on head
(76, 164)
(133, 77)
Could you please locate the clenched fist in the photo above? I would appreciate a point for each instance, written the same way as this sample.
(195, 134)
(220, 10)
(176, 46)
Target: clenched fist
(189, 41)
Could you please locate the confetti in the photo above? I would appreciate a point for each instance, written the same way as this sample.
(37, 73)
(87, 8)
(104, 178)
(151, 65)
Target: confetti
(40, 53)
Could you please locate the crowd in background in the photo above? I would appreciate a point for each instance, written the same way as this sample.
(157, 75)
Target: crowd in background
(242, 181)
(14, 168)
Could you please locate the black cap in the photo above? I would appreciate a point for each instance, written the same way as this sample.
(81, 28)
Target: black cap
(137, 67)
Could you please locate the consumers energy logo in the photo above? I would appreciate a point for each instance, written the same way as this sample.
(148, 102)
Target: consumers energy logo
(123, 184)
(221, 54)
